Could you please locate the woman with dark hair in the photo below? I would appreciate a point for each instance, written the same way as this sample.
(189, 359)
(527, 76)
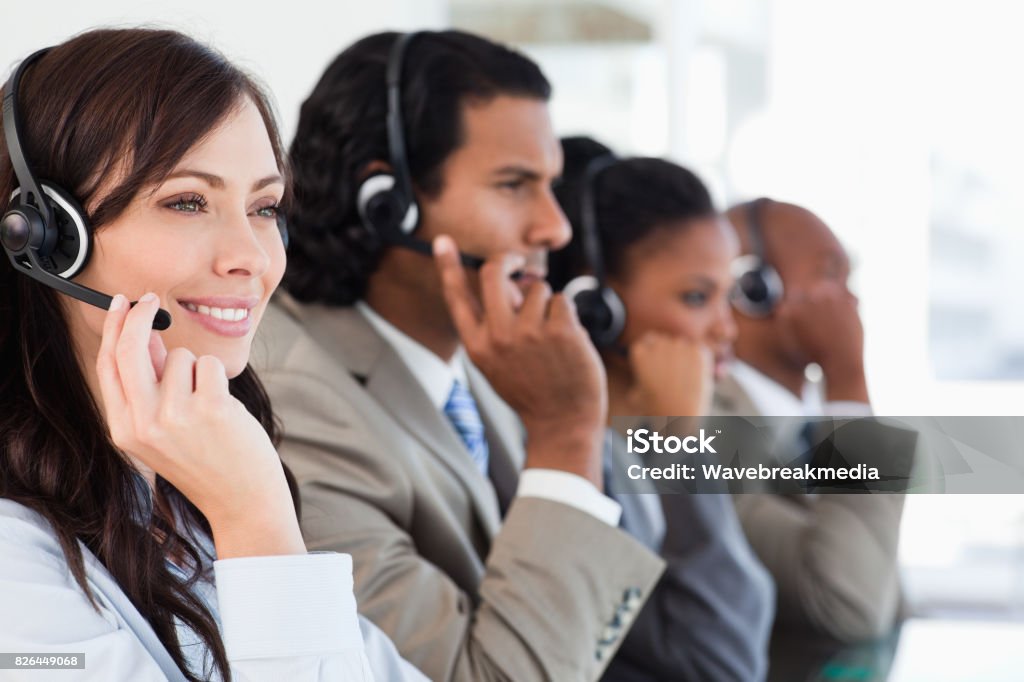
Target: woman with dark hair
(666, 255)
(148, 529)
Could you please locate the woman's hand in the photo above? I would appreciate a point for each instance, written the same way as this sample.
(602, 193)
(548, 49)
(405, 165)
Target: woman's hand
(672, 376)
(173, 413)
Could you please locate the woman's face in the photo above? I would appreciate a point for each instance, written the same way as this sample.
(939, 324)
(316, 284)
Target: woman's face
(676, 281)
(205, 241)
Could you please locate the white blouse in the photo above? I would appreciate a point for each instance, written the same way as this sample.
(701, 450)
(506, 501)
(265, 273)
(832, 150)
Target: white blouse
(282, 617)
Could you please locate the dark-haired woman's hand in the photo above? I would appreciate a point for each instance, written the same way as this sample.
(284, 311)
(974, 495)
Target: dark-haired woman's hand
(672, 376)
(172, 413)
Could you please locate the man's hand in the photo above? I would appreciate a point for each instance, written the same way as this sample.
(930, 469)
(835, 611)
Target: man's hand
(826, 323)
(537, 357)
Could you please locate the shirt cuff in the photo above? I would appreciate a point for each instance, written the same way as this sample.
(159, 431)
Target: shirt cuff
(847, 408)
(570, 489)
(291, 605)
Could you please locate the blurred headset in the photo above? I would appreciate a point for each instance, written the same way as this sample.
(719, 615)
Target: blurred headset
(44, 231)
(600, 310)
(386, 201)
(758, 288)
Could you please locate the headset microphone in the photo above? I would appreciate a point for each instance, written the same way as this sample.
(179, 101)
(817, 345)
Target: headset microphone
(44, 231)
(386, 202)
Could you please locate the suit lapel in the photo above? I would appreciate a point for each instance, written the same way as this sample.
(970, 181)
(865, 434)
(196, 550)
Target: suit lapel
(385, 376)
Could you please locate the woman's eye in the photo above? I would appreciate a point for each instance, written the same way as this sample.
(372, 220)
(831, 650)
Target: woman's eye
(192, 203)
(694, 298)
(512, 185)
(267, 211)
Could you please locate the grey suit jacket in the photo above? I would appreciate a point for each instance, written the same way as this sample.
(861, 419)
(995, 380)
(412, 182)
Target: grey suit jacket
(833, 556)
(548, 594)
(711, 614)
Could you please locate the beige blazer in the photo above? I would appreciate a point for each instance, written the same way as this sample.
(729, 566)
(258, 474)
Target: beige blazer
(833, 556)
(546, 595)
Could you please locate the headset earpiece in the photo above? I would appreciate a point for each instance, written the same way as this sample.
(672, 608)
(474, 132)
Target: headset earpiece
(384, 210)
(758, 288)
(599, 308)
(63, 246)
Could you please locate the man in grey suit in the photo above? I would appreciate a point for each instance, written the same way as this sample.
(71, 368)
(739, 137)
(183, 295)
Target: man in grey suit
(406, 397)
(833, 556)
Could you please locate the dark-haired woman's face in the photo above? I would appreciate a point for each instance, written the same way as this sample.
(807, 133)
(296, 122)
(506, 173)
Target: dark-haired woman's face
(205, 241)
(676, 281)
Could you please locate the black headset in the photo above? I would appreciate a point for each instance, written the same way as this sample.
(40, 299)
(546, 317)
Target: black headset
(386, 201)
(600, 310)
(758, 288)
(44, 231)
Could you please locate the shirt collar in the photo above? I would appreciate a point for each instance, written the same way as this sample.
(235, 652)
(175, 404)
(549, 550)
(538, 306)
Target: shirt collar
(433, 374)
(771, 398)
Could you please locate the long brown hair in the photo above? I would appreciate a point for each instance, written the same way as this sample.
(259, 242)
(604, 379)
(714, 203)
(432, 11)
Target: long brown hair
(125, 103)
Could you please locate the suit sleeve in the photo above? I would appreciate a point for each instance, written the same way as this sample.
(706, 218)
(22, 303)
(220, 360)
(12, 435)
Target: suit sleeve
(559, 587)
(834, 555)
(833, 559)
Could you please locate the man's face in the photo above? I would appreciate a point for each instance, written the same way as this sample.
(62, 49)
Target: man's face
(496, 187)
(804, 250)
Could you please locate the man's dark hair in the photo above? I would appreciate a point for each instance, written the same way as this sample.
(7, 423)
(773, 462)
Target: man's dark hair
(633, 197)
(342, 129)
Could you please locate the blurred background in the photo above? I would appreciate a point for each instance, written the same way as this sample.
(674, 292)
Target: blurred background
(896, 121)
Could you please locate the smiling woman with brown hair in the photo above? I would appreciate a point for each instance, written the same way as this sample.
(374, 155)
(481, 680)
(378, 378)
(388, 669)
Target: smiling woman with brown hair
(147, 524)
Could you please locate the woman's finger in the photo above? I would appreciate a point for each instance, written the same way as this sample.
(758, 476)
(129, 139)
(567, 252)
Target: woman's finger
(178, 381)
(157, 354)
(111, 390)
(133, 359)
(211, 377)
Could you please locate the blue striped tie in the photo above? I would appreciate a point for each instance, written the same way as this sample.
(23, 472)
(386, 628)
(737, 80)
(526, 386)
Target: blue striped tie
(465, 417)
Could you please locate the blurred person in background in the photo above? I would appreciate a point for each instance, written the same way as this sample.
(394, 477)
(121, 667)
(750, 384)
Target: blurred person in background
(833, 556)
(665, 252)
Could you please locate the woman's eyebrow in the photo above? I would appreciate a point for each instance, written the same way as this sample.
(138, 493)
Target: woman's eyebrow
(217, 182)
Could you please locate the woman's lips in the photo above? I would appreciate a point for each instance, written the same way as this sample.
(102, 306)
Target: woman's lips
(223, 315)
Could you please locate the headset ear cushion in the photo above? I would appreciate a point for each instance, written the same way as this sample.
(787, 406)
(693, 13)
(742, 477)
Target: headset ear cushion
(600, 310)
(383, 210)
(758, 287)
(67, 246)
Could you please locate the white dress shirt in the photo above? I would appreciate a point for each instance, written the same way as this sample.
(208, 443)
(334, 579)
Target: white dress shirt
(281, 618)
(437, 378)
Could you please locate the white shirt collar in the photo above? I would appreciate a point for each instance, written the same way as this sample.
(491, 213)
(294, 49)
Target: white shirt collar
(434, 374)
(771, 398)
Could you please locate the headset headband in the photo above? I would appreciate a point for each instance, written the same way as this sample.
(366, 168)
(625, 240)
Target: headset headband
(31, 192)
(588, 216)
(754, 228)
(395, 124)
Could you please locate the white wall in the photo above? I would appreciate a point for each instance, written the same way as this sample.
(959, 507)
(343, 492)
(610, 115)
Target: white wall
(286, 44)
